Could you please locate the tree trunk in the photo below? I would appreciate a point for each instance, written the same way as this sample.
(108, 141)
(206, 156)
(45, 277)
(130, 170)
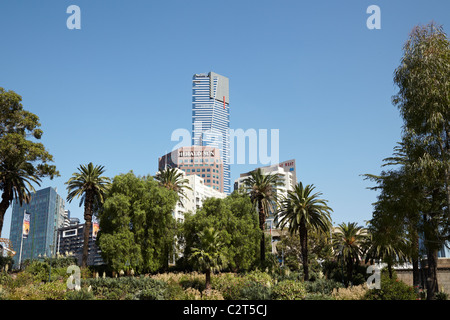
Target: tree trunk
(262, 222)
(87, 227)
(390, 270)
(432, 284)
(4, 205)
(208, 280)
(415, 260)
(303, 232)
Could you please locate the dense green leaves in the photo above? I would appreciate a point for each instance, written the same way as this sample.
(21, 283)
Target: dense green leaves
(136, 225)
(23, 161)
(236, 220)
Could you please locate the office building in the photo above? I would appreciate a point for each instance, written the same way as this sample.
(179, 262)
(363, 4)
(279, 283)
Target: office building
(211, 117)
(71, 240)
(34, 225)
(287, 174)
(202, 161)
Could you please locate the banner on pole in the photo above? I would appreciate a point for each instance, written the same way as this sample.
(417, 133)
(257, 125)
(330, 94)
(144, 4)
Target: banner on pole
(26, 225)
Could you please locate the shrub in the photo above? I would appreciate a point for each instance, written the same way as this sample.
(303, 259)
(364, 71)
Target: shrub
(289, 290)
(255, 291)
(127, 288)
(322, 286)
(319, 296)
(391, 289)
(212, 295)
(259, 276)
(192, 294)
(82, 294)
(441, 295)
(193, 280)
(229, 285)
(350, 293)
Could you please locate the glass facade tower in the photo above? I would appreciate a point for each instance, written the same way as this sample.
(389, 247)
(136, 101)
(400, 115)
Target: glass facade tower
(211, 117)
(46, 215)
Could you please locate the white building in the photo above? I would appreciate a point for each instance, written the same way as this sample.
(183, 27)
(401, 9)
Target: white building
(195, 197)
(287, 174)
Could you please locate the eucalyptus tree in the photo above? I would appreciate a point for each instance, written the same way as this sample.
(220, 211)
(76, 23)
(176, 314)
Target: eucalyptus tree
(302, 210)
(23, 160)
(89, 184)
(423, 80)
(262, 189)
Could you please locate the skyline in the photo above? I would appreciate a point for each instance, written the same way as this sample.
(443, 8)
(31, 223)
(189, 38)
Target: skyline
(312, 70)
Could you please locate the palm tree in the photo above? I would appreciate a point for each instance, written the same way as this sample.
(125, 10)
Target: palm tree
(302, 210)
(15, 183)
(387, 242)
(262, 189)
(88, 183)
(208, 255)
(348, 242)
(173, 179)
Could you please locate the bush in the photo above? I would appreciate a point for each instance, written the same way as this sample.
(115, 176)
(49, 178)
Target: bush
(391, 289)
(319, 296)
(229, 285)
(83, 294)
(255, 291)
(261, 277)
(322, 286)
(212, 295)
(289, 290)
(350, 293)
(127, 288)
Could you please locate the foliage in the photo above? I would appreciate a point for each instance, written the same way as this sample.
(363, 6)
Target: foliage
(262, 190)
(322, 286)
(289, 290)
(23, 162)
(136, 224)
(349, 241)
(229, 284)
(301, 211)
(350, 293)
(391, 289)
(172, 179)
(255, 291)
(239, 232)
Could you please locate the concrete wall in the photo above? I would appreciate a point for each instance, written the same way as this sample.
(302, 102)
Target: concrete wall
(443, 275)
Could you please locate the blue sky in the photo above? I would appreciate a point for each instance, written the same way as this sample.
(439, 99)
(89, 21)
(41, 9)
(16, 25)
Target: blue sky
(114, 91)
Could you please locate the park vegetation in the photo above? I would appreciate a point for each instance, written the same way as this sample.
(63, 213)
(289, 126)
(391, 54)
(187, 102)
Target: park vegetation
(223, 251)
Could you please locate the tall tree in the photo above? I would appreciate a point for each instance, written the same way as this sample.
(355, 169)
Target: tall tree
(136, 224)
(423, 79)
(302, 210)
(89, 184)
(348, 242)
(262, 189)
(23, 161)
(235, 217)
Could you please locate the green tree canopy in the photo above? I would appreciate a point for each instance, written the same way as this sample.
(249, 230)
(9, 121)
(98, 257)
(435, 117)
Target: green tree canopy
(236, 219)
(23, 160)
(136, 224)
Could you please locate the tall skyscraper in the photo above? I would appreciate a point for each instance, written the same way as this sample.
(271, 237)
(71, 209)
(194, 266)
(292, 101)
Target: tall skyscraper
(34, 225)
(211, 117)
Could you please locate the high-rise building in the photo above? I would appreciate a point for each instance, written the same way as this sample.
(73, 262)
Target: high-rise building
(211, 117)
(287, 175)
(202, 161)
(36, 234)
(71, 240)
